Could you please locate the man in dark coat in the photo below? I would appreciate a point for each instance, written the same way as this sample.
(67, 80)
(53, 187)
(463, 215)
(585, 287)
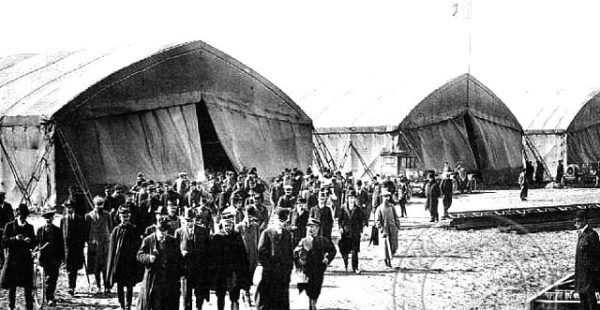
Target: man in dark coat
(204, 216)
(161, 257)
(587, 263)
(49, 239)
(122, 266)
(560, 172)
(147, 208)
(446, 187)
(74, 233)
(313, 255)
(324, 214)
(194, 243)
(351, 223)
(287, 201)
(539, 173)
(432, 194)
(17, 271)
(275, 254)
(230, 269)
(7, 214)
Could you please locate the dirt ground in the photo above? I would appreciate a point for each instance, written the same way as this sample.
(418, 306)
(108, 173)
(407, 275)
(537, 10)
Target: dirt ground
(435, 268)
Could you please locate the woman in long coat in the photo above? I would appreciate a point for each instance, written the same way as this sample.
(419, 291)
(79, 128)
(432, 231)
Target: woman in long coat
(18, 240)
(351, 223)
(387, 223)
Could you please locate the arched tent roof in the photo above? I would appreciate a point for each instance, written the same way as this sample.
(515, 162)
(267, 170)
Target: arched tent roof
(145, 108)
(41, 85)
(465, 121)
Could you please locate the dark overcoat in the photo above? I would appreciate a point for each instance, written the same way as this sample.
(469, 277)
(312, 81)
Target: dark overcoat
(196, 264)
(160, 286)
(228, 256)
(587, 262)
(275, 254)
(49, 239)
(74, 234)
(313, 266)
(432, 194)
(352, 222)
(122, 266)
(18, 264)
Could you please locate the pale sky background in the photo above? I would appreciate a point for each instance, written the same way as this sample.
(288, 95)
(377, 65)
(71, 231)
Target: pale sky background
(350, 63)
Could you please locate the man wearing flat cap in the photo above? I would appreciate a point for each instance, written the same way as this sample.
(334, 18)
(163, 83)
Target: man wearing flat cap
(49, 240)
(587, 263)
(17, 271)
(99, 226)
(122, 266)
(74, 234)
(312, 255)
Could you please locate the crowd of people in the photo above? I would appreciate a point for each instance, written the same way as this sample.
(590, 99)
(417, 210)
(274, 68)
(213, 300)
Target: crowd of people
(182, 238)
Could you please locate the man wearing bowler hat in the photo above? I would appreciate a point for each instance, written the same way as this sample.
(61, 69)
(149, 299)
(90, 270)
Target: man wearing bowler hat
(49, 240)
(122, 267)
(587, 263)
(17, 271)
(74, 234)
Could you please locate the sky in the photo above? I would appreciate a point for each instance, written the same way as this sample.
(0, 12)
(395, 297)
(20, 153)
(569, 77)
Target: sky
(350, 63)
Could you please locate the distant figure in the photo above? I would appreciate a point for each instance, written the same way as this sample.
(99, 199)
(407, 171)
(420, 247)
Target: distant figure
(529, 172)
(560, 172)
(539, 173)
(432, 194)
(587, 263)
(446, 186)
(523, 184)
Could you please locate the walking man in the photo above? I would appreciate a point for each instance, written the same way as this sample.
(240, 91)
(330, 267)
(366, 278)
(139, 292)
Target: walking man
(49, 240)
(314, 253)
(275, 254)
(351, 223)
(323, 213)
(387, 223)
(122, 266)
(432, 194)
(587, 263)
(194, 242)
(17, 271)
(99, 227)
(74, 233)
(446, 186)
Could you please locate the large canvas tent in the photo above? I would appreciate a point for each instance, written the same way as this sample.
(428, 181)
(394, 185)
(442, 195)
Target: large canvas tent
(567, 131)
(464, 120)
(96, 117)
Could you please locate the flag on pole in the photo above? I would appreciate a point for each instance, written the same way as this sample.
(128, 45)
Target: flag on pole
(461, 9)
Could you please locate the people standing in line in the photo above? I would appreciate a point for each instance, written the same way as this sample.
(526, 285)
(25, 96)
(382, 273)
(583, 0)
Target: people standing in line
(230, 268)
(99, 226)
(194, 243)
(74, 235)
(122, 267)
(447, 188)
(323, 213)
(51, 252)
(432, 194)
(161, 257)
(523, 184)
(275, 254)
(351, 222)
(19, 240)
(314, 253)
(587, 263)
(388, 224)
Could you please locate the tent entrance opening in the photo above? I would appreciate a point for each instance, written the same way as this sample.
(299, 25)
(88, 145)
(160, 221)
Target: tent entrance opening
(213, 153)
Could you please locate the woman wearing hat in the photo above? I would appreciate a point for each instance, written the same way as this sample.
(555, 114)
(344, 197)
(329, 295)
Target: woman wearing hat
(18, 240)
(312, 255)
(49, 239)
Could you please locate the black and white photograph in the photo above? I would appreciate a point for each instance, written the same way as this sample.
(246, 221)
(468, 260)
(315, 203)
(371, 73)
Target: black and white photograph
(292, 155)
